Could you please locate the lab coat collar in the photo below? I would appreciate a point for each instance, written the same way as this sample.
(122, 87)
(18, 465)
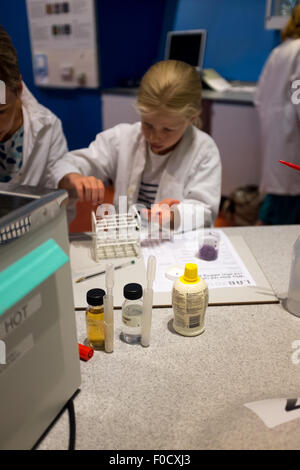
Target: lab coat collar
(38, 114)
(35, 118)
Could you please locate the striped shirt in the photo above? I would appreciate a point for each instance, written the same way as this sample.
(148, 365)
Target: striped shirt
(155, 165)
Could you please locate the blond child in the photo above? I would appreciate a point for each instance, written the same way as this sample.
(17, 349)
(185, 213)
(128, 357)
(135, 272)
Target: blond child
(165, 160)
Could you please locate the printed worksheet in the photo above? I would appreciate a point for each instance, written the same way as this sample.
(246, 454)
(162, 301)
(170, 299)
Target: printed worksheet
(276, 411)
(227, 270)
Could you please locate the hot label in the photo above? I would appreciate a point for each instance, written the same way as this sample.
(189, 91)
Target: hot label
(20, 315)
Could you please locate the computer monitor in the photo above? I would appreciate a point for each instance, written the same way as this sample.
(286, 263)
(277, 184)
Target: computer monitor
(188, 46)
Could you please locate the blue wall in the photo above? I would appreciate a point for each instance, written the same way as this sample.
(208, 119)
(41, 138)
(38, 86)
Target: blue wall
(237, 43)
(131, 36)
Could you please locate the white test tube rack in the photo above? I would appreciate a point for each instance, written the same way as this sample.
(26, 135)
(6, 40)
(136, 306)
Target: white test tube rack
(116, 236)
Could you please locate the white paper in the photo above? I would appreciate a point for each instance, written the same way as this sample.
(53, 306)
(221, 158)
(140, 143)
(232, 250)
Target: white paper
(63, 40)
(219, 84)
(274, 412)
(68, 24)
(228, 270)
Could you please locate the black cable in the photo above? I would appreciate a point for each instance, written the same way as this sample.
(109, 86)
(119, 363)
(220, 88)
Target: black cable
(72, 424)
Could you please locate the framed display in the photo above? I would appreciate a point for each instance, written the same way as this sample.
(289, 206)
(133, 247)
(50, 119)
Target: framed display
(64, 43)
(278, 12)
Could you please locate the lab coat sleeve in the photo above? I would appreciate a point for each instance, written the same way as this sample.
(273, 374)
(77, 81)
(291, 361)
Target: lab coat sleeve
(98, 160)
(263, 82)
(258, 92)
(58, 148)
(202, 192)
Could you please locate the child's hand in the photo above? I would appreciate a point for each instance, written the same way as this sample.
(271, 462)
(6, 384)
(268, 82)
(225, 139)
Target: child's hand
(161, 212)
(87, 188)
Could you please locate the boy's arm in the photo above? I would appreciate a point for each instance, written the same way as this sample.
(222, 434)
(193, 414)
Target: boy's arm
(85, 171)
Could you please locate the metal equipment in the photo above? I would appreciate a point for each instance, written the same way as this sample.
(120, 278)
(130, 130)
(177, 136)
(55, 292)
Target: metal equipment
(40, 371)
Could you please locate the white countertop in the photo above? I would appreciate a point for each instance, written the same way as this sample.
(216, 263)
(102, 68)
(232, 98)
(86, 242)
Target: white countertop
(189, 393)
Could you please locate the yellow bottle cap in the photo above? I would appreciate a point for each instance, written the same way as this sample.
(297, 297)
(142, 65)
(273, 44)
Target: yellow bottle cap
(190, 274)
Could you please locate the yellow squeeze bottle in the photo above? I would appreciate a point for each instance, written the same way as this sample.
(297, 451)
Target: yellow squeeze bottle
(189, 302)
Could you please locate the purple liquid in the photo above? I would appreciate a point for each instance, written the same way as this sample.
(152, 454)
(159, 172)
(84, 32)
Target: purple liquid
(208, 253)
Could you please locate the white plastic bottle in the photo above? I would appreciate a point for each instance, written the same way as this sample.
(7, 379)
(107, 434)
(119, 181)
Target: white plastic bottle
(189, 302)
(293, 297)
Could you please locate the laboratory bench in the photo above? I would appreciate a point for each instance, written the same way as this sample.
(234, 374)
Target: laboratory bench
(229, 117)
(189, 392)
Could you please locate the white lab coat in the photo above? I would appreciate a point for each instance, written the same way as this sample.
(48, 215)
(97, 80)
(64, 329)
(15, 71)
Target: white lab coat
(280, 119)
(44, 143)
(192, 174)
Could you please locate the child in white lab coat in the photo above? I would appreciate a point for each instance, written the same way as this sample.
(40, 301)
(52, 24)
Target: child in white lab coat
(279, 112)
(163, 160)
(31, 136)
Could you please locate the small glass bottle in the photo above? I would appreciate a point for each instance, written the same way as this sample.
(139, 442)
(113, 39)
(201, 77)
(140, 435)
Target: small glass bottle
(209, 246)
(132, 310)
(95, 319)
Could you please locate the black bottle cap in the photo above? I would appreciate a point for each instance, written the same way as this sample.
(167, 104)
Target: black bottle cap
(133, 291)
(94, 297)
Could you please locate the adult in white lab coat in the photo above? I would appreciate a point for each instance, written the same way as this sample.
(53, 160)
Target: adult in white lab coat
(162, 161)
(277, 101)
(31, 136)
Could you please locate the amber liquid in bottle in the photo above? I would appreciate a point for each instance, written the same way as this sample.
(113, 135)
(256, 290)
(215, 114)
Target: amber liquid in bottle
(95, 327)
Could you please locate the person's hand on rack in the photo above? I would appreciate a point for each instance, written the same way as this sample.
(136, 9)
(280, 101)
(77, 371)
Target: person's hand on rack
(161, 212)
(85, 188)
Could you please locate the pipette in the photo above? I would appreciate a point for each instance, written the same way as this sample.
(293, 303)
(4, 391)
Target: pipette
(292, 165)
(109, 309)
(147, 303)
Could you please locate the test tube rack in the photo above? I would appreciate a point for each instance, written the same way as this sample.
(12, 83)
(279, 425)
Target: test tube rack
(116, 236)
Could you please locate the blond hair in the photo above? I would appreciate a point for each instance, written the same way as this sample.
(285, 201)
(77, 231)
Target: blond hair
(171, 86)
(9, 69)
(292, 28)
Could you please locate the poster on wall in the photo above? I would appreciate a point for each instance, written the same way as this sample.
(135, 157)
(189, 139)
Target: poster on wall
(278, 12)
(64, 43)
